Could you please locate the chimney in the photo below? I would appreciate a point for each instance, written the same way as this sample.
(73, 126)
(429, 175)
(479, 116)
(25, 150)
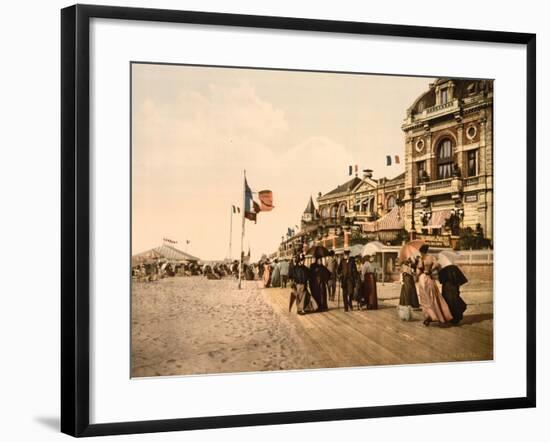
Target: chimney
(367, 173)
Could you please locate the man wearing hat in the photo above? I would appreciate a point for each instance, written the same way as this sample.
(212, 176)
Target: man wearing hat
(332, 268)
(347, 270)
(300, 276)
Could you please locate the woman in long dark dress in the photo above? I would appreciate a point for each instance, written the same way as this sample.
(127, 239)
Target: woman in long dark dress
(319, 277)
(451, 278)
(368, 279)
(408, 289)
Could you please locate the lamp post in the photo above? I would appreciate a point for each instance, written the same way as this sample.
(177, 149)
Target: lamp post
(413, 231)
(425, 216)
(458, 213)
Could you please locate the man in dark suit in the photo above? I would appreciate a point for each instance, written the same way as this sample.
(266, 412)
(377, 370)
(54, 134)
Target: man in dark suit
(347, 270)
(300, 276)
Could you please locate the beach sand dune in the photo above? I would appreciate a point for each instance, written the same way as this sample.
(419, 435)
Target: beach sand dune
(192, 325)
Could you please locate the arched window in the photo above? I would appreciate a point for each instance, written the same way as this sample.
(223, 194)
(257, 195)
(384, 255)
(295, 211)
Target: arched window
(325, 212)
(390, 202)
(445, 160)
(342, 209)
(333, 211)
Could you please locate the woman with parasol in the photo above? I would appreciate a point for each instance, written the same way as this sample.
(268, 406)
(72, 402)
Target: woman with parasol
(433, 304)
(451, 278)
(408, 295)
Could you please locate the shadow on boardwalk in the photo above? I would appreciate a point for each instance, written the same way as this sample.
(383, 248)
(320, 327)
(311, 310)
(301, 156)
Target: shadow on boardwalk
(378, 337)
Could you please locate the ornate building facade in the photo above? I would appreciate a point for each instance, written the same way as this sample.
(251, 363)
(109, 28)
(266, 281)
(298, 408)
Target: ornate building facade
(446, 189)
(449, 159)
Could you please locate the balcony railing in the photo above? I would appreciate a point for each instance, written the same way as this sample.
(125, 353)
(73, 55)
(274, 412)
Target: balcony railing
(472, 181)
(439, 184)
(440, 107)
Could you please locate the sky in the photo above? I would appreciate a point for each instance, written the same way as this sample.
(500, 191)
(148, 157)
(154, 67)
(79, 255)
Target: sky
(196, 129)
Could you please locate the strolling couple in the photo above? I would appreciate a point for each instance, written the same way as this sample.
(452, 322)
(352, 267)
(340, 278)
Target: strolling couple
(317, 278)
(352, 281)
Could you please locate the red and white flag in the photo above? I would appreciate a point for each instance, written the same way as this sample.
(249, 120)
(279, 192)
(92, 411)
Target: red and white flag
(266, 200)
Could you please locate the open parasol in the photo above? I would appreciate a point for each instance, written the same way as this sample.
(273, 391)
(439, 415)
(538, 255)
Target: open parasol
(318, 251)
(355, 250)
(449, 272)
(447, 258)
(410, 250)
(372, 248)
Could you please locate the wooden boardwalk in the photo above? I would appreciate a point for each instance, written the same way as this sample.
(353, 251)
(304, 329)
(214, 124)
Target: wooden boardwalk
(378, 337)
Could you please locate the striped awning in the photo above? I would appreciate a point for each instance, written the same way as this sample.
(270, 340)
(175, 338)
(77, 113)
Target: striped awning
(393, 220)
(369, 226)
(437, 220)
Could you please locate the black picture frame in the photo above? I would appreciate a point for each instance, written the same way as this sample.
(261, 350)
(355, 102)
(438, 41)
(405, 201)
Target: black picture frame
(75, 212)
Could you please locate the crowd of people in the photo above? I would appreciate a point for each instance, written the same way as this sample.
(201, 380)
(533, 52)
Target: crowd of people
(355, 278)
(314, 285)
(327, 277)
(155, 270)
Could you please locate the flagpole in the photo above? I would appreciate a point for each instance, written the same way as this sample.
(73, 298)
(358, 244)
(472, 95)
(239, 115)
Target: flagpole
(230, 228)
(242, 229)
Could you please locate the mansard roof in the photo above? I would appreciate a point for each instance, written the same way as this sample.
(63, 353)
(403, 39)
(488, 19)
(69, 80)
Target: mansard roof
(343, 188)
(462, 88)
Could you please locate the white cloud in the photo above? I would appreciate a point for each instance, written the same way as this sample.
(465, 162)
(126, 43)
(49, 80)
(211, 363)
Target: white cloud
(193, 137)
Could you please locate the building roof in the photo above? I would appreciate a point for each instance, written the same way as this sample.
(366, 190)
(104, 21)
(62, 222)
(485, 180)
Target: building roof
(310, 207)
(462, 88)
(346, 187)
(165, 251)
(400, 177)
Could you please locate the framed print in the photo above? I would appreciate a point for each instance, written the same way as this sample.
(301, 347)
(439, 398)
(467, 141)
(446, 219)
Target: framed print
(288, 215)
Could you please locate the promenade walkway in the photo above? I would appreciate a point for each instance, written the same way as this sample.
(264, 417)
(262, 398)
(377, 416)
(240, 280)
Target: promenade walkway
(377, 337)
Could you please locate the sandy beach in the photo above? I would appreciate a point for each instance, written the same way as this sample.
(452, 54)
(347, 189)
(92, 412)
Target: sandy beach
(191, 325)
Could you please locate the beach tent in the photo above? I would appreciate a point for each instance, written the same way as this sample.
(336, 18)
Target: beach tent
(148, 257)
(163, 253)
(170, 253)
